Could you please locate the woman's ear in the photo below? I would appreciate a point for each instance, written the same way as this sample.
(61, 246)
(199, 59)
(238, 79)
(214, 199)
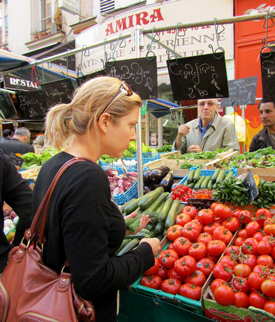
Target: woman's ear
(104, 122)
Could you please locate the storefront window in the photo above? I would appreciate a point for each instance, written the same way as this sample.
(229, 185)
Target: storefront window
(170, 124)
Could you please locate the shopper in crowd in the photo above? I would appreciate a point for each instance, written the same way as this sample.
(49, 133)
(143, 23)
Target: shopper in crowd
(208, 132)
(18, 143)
(84, 225)
(17, 194)
(266, 137)
(38, 143)
(7, 135)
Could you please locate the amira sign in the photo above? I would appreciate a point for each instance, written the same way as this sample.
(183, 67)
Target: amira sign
(189, 42)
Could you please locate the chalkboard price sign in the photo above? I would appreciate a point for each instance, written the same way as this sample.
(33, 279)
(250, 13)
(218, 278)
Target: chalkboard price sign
(251, 186)
(198, 77)
(7, 109)
(241, 92)
(85, 78)
(32, 105)
(140, 74)
(268, 76)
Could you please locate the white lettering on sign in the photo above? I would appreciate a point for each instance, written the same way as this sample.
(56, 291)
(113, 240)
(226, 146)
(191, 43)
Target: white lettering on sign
(260, 9)
(71, 6)
(22, 82)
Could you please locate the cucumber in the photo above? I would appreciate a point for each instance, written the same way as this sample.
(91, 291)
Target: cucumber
(159, 228)
(170, 220)
(129, 221)
(210, 185)
(164, 212)
(205, 182)
(149, 198)
(132, 206)
(191, 185)
(190, 176)
(197, 174)
(145, 231)
(123, 244)
(199, 182)
(229, 175)
(221, 176)
(129, 246)
(150, 226)
(215, 175)
(159, 209)
(154, 206)
(126, 204)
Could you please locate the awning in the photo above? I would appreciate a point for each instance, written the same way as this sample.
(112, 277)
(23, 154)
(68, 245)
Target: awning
(159, 107)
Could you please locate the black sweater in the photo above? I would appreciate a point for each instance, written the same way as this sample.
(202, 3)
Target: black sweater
(86, 228)
(14, 190)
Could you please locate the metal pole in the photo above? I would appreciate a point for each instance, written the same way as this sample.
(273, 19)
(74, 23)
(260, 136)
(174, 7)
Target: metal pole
(139, 128)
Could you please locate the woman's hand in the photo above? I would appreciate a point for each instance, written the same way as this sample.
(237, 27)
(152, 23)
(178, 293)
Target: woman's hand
(154, 243)
(144, 220)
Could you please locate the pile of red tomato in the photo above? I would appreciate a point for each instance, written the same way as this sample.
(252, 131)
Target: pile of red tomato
(198, 240)
(183, 193)
(245, 276)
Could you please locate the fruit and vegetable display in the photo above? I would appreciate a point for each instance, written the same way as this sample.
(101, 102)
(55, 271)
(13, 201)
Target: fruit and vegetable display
(158, 177)
(204, 155)
(120, 183)
(10, 222)
(32, 160)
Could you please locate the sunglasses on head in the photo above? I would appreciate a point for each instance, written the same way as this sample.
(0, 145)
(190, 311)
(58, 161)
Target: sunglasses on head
(124, 89)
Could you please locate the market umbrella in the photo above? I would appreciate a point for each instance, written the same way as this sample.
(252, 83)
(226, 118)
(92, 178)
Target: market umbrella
(159, 107)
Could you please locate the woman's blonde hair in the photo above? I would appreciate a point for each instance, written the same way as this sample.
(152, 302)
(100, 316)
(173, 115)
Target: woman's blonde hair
(65, 120)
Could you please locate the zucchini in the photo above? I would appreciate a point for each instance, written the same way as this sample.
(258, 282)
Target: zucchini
(130, 206)
(190, 176)
(145, 231)
(166, 207)
(170, 220)
(123, 244)
(129, 246)
(159, 209)
(138, 235)
(229, 175)
(205, 182)
(149, 198)
(191, 185)
(199, 182)
(150, 226)
(159, 228)
(154, 206)
(197, 174)
(215, 175)
(130, 221)
(210, 185)
(221, 176)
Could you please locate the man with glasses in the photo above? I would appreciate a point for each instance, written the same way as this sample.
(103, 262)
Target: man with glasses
(208, 132)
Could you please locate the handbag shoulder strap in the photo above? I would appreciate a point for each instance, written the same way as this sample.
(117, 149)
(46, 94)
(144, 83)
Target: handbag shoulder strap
(38, 225)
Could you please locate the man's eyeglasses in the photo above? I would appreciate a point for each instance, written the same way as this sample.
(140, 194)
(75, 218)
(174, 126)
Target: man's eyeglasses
(124, 89)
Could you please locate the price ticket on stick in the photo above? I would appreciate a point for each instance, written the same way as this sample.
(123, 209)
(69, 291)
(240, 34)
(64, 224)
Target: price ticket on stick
(250, 183)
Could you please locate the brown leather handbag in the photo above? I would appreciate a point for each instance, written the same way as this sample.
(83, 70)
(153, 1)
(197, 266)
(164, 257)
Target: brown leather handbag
(32, 292)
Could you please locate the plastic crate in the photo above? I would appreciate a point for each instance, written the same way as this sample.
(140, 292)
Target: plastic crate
(146, 157)
(106, 165)
(178, 300)
(131, 193)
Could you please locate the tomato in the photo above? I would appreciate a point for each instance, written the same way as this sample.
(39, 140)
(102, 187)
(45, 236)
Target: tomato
(250, 260)
(270, 307)
(265, 260)
(185, 266)
(197, 278)
(198, 224)
(241, 284)
(182, 219)
(191, 291)
(261, 215)
(222, 211)
(181, 245)
(206, 265)
(258, 236)
(273, 252)
(154, 269)
(211, 227)
(262, 270)
(268, 288)
(190, 230)
(241, 300)
(239, 241)
(152, 281)
(256, 300)
(222, 271)
(250, 246)
(227, 259)
(224, 295)
(270, 239)
(171, 286)
(197, 250)
(231, 224)
(190, 210)
(213, 205)
(269, 229)
(232, 251)
(217, 282)
(264, 247)
(168, 257)
(204, 238)
(242, 233)
(174, 232)
(171, 273)
(242, 270)
(269, 221)
(221, 233)
(245, 216)
(206, 216)
(162, 272)
(171, 246)
(255, 280)
(252, 228)
(216, 247)
(236, 213)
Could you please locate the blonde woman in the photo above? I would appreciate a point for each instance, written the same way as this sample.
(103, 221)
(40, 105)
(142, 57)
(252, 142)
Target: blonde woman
(84, 225)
